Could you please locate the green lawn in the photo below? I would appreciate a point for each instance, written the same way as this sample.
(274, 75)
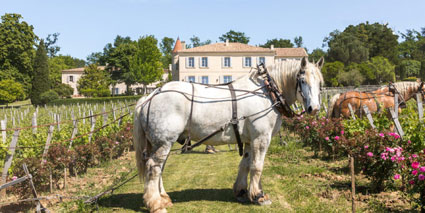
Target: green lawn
(198, 182)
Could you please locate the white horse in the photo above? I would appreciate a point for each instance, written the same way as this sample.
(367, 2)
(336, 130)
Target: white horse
(165, 120)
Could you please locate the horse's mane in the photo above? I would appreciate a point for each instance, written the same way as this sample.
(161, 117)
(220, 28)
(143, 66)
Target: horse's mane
(405, 88)
(285, 72)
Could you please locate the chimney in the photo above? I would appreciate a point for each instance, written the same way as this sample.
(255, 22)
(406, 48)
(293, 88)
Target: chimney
(272, 47)
(227, 43)
(183, 45)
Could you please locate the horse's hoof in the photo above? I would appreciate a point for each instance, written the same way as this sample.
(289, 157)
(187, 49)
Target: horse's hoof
(166, 201)
(163, 210)
(263, 200)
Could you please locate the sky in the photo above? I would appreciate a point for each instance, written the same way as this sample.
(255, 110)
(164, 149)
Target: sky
(86, 26)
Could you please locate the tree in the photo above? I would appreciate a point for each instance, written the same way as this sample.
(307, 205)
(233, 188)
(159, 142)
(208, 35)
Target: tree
(94, 82)
(346, 48)
(10, 91)
(331, 71)
(196, 41)
(409, 68)
(117, 57)
(64, 90)
(422, 71)
(59, 63)
(17, 41)
(166, 47)
(383, 69)
(51, 48)
(40, 82)
(278, 43)
(234, 36)
(316, 54)
(96, 58)
(352, 77)
(146, 65)
(298, 41)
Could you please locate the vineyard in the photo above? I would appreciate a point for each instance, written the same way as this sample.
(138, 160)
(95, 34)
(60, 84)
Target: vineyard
(57, 142)
(60, 142)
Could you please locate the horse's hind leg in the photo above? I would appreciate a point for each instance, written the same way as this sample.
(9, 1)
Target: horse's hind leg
(240, 188)
(153, 183)
(259, 149)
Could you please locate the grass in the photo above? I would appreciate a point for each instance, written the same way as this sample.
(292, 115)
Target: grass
(197, 182)
(17, 103)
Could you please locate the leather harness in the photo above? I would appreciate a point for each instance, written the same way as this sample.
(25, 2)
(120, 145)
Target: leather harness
(278, 102)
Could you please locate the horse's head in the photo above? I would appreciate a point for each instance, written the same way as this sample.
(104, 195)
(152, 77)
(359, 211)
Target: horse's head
(309, 81)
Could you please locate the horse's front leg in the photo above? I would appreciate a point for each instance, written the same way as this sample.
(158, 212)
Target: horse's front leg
(240, 188)
(258, 149)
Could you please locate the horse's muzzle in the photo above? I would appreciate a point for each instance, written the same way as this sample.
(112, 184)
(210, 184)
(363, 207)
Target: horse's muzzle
(312, 111)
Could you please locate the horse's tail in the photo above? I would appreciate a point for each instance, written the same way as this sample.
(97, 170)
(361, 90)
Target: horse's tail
(140, 141)
(331, 106)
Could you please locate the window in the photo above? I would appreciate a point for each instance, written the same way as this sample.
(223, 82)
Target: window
(283, 59)
(191, 78)
(262, 60)
(204, 79)
(247, 62)
(227, 78)
(71, 78)
(227, 62)
(191, 62)
(116, 91)
(204, 62)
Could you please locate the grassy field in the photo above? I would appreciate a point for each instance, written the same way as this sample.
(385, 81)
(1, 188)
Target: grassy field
(199, 182)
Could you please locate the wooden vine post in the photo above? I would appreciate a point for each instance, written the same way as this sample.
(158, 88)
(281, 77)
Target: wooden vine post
(396, 105)
(9, 158)
(369, 116)
(3, 130)
(92, 123)
(420, 107)
(351, 111)
(34, 123)
(353, 185)
(397, 123)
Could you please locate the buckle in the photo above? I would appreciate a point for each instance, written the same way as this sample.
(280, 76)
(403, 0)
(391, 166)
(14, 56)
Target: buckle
(234, 121)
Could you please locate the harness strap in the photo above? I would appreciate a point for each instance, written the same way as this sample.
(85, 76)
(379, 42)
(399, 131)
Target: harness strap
(235, 120)
(187, 144)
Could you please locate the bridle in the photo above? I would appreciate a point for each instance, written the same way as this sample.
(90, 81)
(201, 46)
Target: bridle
(276, 95)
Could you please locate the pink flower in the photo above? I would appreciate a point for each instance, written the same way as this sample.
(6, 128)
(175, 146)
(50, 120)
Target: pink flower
(342, 132)
(414, 155)
(14, 178)
(365, 147)
(409, 142)
(336, 137)
(396, 176)
(421, 177)
(307, 127)
(414, 172)
(393, 158)
(422, 169)
(116, 142)
(370, 154)
(323, 123)
(415, 165)
(327, 138)
(128, 128)
(381, 134)
(411, 182)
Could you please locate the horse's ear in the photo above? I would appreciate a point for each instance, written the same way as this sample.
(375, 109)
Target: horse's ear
(320, 62)
(304, 62)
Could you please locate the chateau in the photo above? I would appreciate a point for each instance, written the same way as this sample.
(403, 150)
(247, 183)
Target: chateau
(224, 62)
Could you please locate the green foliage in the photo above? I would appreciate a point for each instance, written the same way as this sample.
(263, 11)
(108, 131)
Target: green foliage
(352, 77)
(40, 82)
(99, 100)
(316, 54)
(196, 41)
(234, 36)
(94, 82)
(346, 48)
(117, 57)
(17, 41)
(382, 68)
(10, 91)
(278, 43)
(331, 71)
(51, 48)
(166, 47)
(49, 96)
(146, 65)
(298, 41)
(64, 90)
(409, 68)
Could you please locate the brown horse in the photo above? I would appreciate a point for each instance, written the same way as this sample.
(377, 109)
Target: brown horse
(376, 101)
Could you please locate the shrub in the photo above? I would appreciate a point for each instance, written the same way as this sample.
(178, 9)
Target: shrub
(64, 90)
(49, 96)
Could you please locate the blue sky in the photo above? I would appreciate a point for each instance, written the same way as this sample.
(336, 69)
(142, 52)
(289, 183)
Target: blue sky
(86, 26)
